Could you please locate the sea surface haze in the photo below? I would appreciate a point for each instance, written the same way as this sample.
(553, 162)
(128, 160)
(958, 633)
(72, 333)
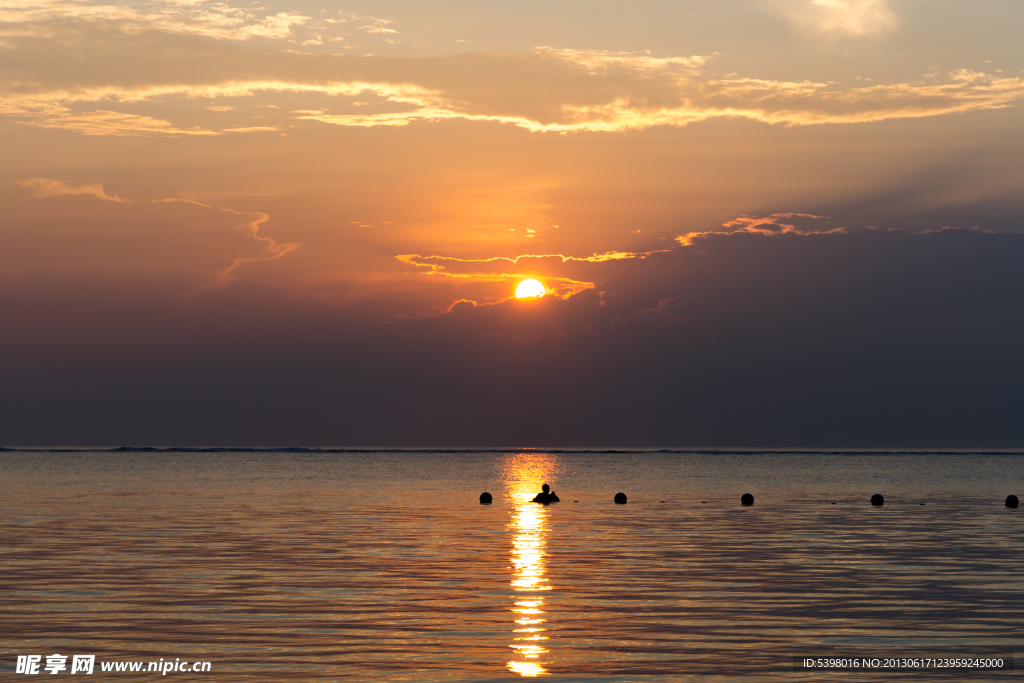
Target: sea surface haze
(383, 565)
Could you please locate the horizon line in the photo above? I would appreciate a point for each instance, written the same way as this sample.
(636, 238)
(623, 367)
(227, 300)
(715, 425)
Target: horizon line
(515, 449)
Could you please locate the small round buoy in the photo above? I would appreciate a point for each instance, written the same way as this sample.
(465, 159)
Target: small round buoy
(620, 498)
(746, 499)
(703, 501)
(877, 500)
(485, 498)
(1011, 501)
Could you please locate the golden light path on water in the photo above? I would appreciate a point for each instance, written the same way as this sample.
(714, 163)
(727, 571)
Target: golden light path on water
(524, 475)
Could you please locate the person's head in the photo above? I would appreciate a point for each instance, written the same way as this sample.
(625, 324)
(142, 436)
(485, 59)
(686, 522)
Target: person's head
(545, 488)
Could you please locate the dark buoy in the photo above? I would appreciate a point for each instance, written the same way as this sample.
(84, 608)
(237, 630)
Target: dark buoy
(1012, 502)
(746, 499)
(877, 500)
(485, 498)
(620, 498)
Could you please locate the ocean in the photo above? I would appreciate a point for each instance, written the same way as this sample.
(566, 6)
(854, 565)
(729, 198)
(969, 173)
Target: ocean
(383, 565)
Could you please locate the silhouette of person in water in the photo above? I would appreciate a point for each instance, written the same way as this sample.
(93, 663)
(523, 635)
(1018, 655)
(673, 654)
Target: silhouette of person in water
(546, 495)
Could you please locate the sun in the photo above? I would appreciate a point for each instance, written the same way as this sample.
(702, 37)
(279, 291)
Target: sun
(529, 288)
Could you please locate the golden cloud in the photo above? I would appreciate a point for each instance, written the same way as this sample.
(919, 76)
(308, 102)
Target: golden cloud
(45, 187)
(548, 90)
(213, 20)
(493, 270)
(775, 224)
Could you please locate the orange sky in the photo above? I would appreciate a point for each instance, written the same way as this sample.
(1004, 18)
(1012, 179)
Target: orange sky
(384, 161)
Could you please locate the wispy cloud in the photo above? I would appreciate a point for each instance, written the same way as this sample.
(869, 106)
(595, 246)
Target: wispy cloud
(45, 187)
(775, 224)
(441, 264)
(503, 269)
(376, 25)
(103, 122)
(839, 18)
(682, 99)
(216, 19)
(548, 90)
(271, 249)
(550, 267)
(205, 18)
(251, 221)
(636, 61)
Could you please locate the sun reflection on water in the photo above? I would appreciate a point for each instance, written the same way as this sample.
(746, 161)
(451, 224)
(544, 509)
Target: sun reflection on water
(524, 475)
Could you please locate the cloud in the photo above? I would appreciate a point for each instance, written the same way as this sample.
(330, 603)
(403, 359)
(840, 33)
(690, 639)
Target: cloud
(774, 224)
(212, 19)
(771, 224)
(548, 90)
(495, 270)
(868, 339)
(839, 18)
(377, 25)
(642, 62)
(45, 187)
(193, 241)
(438, 264)
(202, 18)
(567, 275)
(113, 123)
(557, 279)
(251, 224)
(272, 250)
(646, 93)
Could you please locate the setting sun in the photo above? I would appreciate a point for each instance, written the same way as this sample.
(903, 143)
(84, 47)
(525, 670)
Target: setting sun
(529, 288)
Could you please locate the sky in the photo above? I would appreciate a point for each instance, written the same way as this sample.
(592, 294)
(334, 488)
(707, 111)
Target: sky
(759, 223)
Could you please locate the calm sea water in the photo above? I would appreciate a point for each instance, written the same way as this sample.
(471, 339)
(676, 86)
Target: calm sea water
(384, 566)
